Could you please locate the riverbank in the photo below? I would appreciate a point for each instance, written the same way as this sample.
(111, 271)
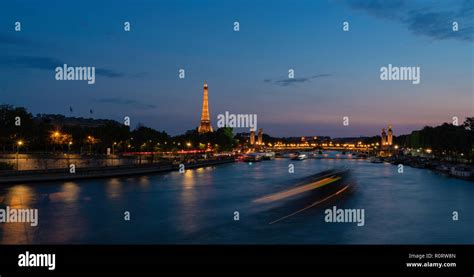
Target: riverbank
(455, 170)
(64, 174)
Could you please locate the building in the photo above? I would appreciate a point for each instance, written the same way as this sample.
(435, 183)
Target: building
(205, 125)
(384, 138)
(260, 136)
(386, 145)
(60, 121)
(390, 136)
(252, 137)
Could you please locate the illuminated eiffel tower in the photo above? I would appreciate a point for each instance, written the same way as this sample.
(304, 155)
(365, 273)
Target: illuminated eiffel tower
(205, 125)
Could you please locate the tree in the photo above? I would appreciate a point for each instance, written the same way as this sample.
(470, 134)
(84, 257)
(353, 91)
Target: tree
(148, 139)
(223, 138)
(469, 124)
(15, 124)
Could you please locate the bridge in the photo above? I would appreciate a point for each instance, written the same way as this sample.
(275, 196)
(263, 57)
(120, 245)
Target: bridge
(289, 148)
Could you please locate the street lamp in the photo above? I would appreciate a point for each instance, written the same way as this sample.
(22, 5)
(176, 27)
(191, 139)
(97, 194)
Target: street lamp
(55, 137)
(69, 151)
(90, 140)
(18, 145)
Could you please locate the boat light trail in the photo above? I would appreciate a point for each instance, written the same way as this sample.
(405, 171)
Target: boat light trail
(312, 205)
(297, 190)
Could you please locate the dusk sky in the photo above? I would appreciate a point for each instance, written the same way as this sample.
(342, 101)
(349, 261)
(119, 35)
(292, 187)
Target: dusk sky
(337, 73)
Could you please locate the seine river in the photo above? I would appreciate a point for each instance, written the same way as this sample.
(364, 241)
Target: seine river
(198, 207)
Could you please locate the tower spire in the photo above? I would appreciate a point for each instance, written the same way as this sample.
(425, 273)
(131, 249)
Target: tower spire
(205, 125)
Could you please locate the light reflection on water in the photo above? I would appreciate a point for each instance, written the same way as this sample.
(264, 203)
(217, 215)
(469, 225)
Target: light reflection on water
(69, 193)
(114, 188)
(144, 181)
(198, 207)
(187, 202)
(17, 197)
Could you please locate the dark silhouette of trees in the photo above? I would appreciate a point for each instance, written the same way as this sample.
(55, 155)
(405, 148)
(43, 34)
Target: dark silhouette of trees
(10, 132)
(445, 140)
(469, 124)
(222, 140)
(148, 139)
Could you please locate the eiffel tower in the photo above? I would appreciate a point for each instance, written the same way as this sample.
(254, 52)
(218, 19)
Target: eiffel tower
(205, 125)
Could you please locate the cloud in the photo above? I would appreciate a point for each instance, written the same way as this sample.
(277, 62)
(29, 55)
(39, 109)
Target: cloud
(429, 19)
(139, 75)
(124, 102)
(14, 40)
(48, 63)
(284, 82)
(44, 63)
(108, 73)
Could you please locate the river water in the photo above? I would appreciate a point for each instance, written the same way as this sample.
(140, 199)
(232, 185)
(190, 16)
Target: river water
(198, 207)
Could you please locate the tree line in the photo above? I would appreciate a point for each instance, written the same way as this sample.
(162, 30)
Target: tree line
(20, 130)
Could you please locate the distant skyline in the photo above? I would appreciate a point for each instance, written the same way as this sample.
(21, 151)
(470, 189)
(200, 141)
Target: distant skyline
(336, 72)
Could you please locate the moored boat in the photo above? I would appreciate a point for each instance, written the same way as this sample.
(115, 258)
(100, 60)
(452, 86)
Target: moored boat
(375, 160)
(252, 157)
(300, 157)
(463, 172)
(268, 155)
(443, 168)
